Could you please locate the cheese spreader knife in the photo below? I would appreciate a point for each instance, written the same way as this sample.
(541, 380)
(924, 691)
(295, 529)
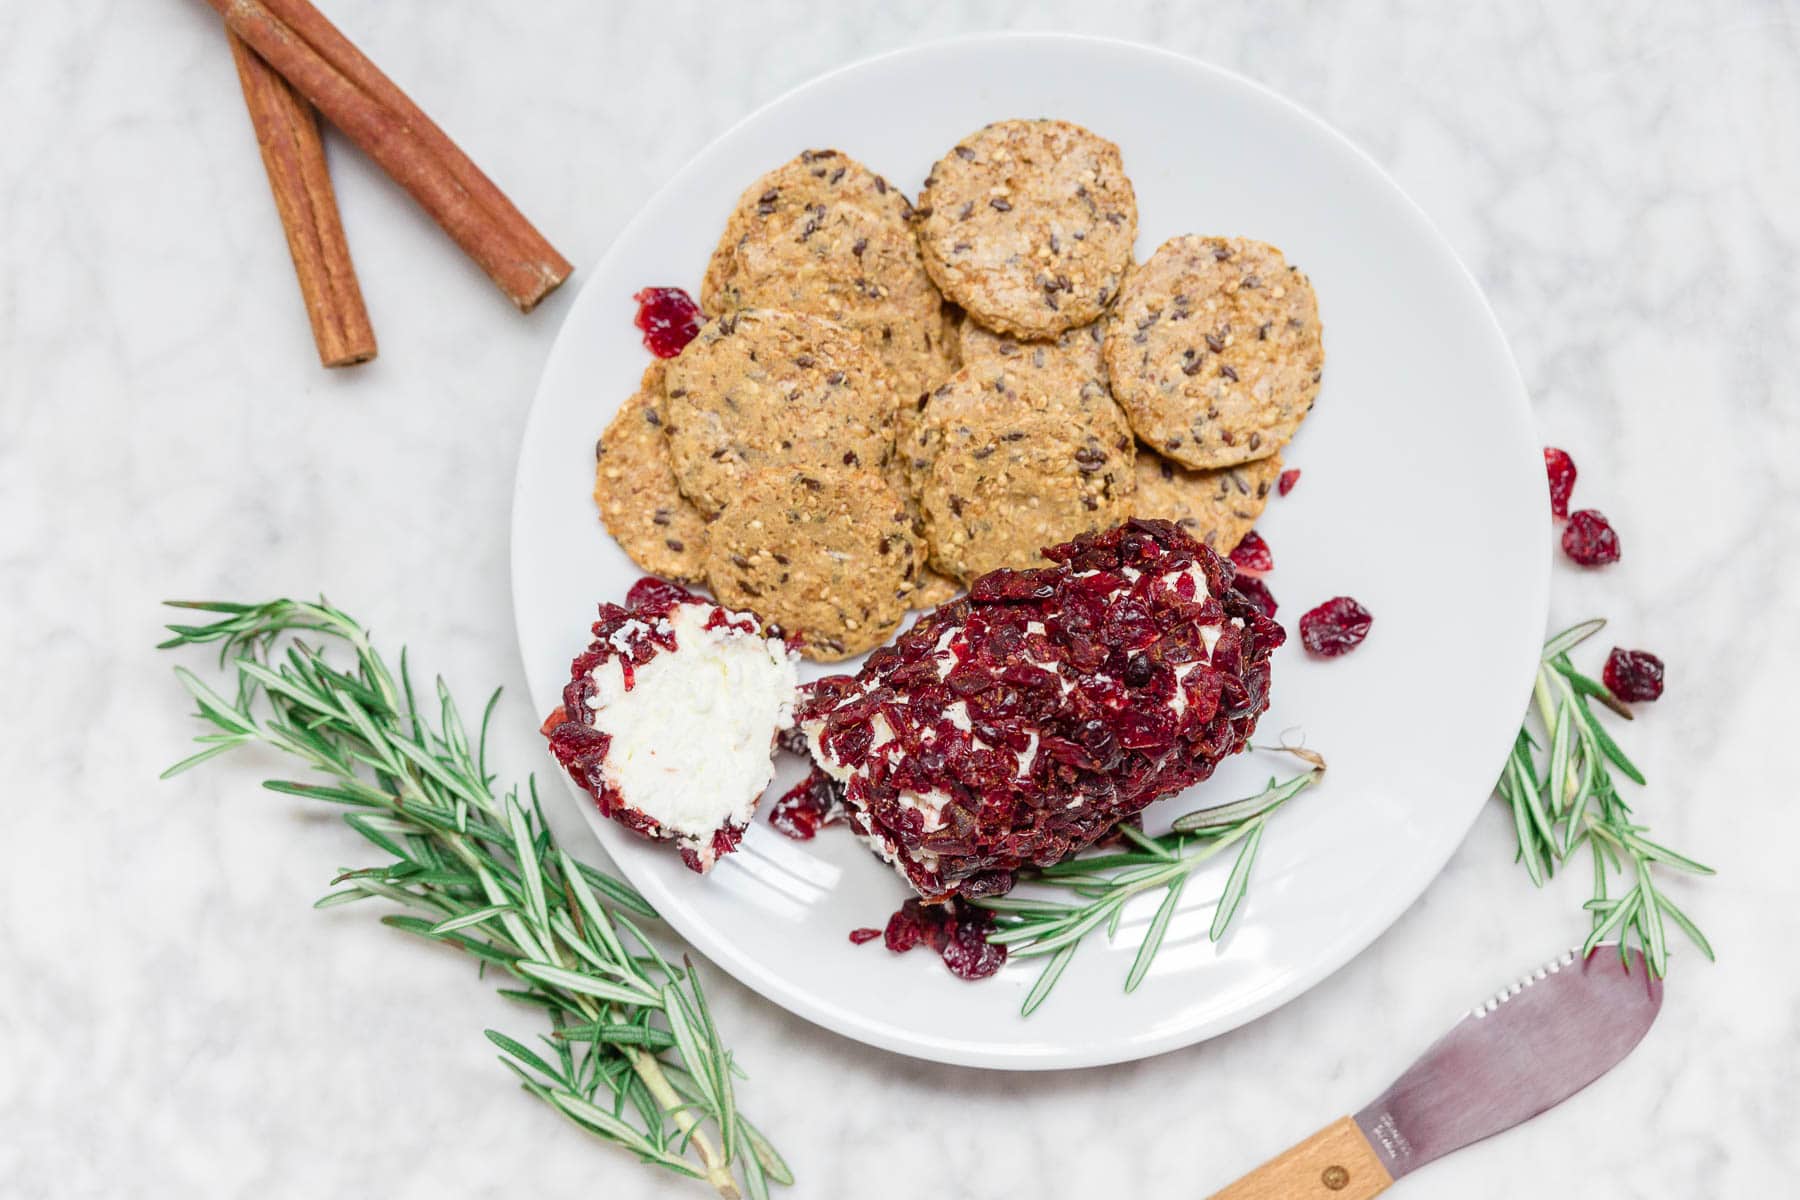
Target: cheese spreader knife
(1532, 1046)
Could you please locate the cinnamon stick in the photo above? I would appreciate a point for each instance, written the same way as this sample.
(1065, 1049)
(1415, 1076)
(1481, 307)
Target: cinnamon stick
(287, 131)
(322, 65)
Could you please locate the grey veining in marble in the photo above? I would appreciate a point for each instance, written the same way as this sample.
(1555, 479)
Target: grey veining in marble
(1624, 180)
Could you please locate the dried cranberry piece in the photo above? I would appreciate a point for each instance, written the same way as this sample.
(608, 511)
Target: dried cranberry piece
(669, 318)
(1128, 626)
(724, 840)
(1252, 554)
(1633, 675)
(966, 951)
(1589, 539)
(1003, 585)
(905, 929)
(1257, 593)
(986, 883)
(865, 934)
(654, 595)
(1145, 728)
(1288, 479)
(1335, 627)
(806, 806)
(1561, 469)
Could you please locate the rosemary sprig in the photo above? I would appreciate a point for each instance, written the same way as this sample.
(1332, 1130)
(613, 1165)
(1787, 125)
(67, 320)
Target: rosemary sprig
(1032, 926)
(632, 1055)
(1571, 800)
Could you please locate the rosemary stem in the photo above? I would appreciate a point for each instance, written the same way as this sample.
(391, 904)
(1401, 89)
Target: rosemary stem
(650, 1071)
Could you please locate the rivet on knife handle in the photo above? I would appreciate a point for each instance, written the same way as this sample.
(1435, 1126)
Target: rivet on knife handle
(1336, 1163)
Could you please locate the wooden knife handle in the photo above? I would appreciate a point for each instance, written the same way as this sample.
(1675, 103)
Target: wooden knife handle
(1336, 1163)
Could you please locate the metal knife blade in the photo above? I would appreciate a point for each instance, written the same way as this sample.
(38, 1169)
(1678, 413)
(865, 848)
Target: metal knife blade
(1533, 1045)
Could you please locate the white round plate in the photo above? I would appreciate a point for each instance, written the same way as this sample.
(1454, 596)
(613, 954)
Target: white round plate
(1423, 496)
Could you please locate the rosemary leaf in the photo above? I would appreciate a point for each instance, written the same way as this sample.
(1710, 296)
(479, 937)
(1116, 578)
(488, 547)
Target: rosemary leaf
(1153, 937)
(1040, 990)
(1235, 885)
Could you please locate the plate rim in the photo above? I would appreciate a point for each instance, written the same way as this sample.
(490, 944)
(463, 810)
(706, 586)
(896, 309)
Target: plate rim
(1348, 944)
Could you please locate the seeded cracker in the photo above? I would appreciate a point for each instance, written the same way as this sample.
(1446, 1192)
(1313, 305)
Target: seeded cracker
(1214, 350)
(1074, 358)
(1028, 225)
(830, 558)
(1217, 507)
(934, 589)
(634, 486)
(763, 388)
(1009, 467)
(825, 235)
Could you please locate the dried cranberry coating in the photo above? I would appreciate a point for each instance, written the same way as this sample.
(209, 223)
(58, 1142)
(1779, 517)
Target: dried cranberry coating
(1589, 539)
(1253, 554)
(633, 634)
(1021, 723)
(669, 318)
(1633, 675)
(865, 934)
(1336, 627)
(1257, 592)
(658, 596)
(1288, 479)
(1561, 469)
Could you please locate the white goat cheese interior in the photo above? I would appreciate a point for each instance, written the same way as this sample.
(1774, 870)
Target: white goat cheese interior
(691, 738)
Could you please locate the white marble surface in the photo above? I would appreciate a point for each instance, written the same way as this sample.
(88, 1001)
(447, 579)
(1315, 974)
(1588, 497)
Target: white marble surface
(176, 1021)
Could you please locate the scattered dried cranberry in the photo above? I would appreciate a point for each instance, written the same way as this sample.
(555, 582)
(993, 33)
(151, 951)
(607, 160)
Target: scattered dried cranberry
(1288, 479)
(906, 928)
(1336, 627)
(1256, 592)
(806, 806)
(669, 318)
(1252, 554)
(1589, 539)
(865, 934)
(957, 931)
(1633, 675)
(967, 952)
(1562, 480)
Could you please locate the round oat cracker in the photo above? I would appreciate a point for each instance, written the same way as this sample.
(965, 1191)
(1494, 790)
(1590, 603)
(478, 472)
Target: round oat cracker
(831, 558)
(1009, 466)
(1074, 356)
(1028, 225)
(912, 408)
(634, 486)
(1218, 506)
(825, 235)
(933, 589)
(766, 388)
(1214, 350)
